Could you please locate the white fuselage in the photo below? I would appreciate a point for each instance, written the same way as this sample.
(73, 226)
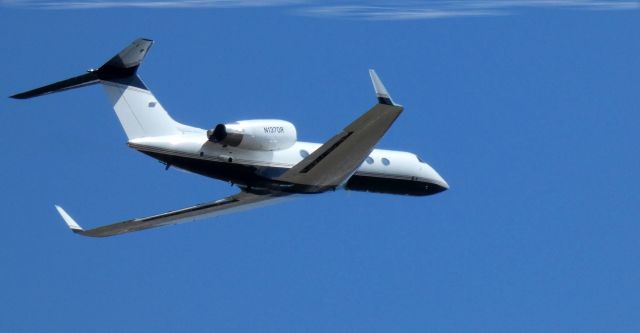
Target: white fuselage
(194, 152)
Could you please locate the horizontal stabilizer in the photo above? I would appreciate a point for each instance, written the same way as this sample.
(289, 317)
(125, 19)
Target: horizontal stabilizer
(131, 56)
(121, 68)
(74, 82)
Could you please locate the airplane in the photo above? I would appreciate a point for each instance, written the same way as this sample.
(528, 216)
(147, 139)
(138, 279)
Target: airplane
(262, 157)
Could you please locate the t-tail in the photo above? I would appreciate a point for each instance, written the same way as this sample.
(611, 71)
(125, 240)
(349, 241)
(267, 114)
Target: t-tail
(139, 112)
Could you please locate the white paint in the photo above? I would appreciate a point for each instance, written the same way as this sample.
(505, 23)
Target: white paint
(403, 164)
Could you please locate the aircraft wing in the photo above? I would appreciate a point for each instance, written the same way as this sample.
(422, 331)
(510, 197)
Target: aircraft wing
(238, 202)
(336, 160)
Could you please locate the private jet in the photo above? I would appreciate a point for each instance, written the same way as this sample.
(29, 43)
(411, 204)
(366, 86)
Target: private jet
(262, 157)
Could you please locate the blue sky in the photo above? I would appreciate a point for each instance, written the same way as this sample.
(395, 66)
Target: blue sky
(529, 109)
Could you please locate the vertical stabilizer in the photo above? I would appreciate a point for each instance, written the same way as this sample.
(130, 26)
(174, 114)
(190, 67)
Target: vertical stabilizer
(139, 112)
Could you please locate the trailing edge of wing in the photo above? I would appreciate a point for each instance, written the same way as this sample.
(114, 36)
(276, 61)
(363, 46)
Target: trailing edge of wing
(240, 201)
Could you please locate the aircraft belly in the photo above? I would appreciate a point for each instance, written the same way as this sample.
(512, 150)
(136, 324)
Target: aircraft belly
(263, 177)
(237, 173)
(418, 187)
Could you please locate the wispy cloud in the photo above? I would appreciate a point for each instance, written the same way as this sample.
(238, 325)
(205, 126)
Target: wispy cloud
(392, 12)
(153, 4)
(414, 10)
(352, 9)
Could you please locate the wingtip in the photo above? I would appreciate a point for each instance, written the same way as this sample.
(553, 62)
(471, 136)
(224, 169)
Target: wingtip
(19, 96)
(71, 223)
(381, 92)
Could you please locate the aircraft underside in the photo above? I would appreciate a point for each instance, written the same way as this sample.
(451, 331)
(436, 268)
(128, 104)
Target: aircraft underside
(262, 177)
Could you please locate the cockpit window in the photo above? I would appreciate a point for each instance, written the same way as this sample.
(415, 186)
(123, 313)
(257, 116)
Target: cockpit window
(419, 159)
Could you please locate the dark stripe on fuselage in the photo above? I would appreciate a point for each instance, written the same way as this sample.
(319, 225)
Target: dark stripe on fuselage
(392, 185)
(261, 177)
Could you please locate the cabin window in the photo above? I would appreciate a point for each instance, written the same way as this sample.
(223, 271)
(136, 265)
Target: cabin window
(369, 160)
(385, 161)
(304, 153)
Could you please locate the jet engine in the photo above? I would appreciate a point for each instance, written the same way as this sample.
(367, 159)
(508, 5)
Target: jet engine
(259, 134)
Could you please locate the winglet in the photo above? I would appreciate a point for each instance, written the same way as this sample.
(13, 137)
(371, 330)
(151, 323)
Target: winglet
(69, 220)
(381, 91)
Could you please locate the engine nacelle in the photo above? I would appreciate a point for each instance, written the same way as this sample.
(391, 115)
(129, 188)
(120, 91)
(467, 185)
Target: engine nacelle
(259, 134)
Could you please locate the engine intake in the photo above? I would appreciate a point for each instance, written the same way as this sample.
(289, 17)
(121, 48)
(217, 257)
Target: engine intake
(259, 134)
(221, 134)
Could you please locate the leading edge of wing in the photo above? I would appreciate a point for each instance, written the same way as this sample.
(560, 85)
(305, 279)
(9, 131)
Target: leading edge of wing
(337, 159)
(235, 203)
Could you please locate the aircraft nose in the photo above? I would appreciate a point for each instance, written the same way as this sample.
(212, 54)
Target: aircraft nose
(443, 182)
(438, 184)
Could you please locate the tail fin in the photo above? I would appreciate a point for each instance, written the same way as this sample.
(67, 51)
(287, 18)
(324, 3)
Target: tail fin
(137, 109)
